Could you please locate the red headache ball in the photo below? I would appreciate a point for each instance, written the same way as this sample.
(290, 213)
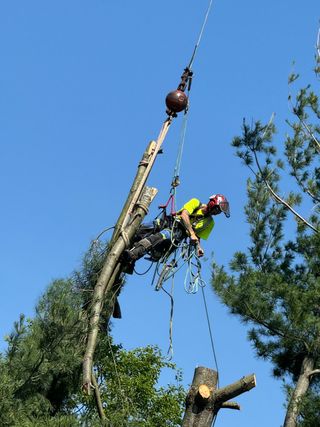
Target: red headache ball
(176, 101)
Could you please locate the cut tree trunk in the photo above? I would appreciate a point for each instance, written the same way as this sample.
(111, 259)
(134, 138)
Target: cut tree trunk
(204, 400)
(140, 176)
(144, 169)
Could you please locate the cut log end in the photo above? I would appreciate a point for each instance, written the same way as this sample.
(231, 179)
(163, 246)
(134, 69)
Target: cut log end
(204, 391)
(254, 380)
(250, 381)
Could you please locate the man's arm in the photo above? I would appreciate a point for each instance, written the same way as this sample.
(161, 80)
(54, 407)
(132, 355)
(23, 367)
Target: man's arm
(193, 237)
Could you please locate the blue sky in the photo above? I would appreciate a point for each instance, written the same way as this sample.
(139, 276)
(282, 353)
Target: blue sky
(82, 93)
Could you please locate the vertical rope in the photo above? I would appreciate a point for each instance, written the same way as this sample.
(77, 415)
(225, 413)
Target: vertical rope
(170, 294)
(210, 332)
(176, 172)
(201, 34)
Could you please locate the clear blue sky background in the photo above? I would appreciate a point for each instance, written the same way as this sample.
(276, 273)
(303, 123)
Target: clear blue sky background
(82, 89)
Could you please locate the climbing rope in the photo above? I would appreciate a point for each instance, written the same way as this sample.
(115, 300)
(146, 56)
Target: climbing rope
(170, 295)
(193, 279)
(176, 173)
(145, 272)
(196, 281)
(95, 241)
(210, 332)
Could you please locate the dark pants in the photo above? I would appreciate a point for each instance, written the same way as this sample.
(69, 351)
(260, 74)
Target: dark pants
(156, 243)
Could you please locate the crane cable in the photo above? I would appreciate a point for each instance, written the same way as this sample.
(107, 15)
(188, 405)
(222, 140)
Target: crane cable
(186, 80)
(200, 34)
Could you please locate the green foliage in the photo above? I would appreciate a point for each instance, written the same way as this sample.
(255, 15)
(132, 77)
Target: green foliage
(310, 409)
(128, 387)
(274, 286)
(40, 374)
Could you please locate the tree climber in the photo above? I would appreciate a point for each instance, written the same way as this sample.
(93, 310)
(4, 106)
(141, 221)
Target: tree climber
(193, 220)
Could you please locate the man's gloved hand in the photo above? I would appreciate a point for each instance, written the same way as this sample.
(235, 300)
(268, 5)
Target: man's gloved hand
(200, 251)
(195, 241)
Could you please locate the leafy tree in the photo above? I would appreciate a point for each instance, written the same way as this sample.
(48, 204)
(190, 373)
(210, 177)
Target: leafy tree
(274, 285)
(40, 382)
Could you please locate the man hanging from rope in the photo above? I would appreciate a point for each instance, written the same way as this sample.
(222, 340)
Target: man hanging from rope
(193, 220)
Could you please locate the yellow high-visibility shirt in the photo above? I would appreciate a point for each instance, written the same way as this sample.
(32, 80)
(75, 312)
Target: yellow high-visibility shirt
(202, 225)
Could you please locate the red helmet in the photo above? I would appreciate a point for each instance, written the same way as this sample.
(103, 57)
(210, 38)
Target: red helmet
(219, 201)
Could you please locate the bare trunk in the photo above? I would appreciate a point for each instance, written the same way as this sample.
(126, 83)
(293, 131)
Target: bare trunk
(98, 397)
(204, 400)
(104, 284)
(140, 180)
(197, 411)
(299, 392)
(143, 164)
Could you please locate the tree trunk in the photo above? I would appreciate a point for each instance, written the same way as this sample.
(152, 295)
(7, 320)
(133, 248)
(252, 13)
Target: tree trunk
(104, 284)
(299, 392)
(144, 162)
(204, 400)
(197, 411)
(141, 177)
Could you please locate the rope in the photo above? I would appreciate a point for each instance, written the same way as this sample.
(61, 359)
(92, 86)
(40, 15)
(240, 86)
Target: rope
(145, 272)
(195, 279)
(170, 294)
(176, 172)
(95, 242)
(174, 266)
(210, 333)
(201, 34)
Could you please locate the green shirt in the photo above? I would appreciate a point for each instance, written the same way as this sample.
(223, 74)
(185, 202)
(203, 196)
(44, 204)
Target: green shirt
(201, 224)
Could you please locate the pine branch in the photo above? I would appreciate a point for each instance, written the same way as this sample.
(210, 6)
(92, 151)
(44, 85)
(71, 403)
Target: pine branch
(306, 127)
(278, 198)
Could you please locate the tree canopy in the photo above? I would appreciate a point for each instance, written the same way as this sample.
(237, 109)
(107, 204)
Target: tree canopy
(274, 285)
(40, 373)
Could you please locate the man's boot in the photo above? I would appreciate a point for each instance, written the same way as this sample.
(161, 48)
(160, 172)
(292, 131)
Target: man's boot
(130, 256)
(137, 251)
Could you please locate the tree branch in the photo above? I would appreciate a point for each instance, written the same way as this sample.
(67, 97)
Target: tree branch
(231, 405)
(306, 127)
(233, 390)
(279, 199)
(314, 372)
(97, 396)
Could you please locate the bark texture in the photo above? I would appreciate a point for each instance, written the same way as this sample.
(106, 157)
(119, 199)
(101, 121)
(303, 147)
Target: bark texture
(140, 175)
(199, 411)
(104, 284)
(300, 390)
(204, 400)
